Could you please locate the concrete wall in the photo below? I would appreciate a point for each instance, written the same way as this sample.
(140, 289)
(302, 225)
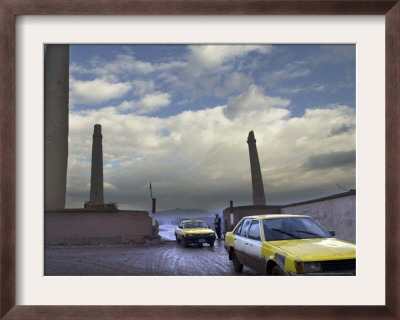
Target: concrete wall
(79, 226)
(336, 213)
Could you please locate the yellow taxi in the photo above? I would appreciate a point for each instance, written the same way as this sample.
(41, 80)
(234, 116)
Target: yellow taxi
(288, 245)
(194, 231)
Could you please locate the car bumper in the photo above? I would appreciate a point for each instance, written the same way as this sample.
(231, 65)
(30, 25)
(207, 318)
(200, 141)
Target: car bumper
(200, 240)
(322, 274)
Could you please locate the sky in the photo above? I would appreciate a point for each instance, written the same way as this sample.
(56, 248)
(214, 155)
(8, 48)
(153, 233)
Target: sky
(178, 116)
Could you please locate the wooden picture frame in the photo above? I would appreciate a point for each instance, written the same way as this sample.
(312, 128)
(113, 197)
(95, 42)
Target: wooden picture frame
(9, 9)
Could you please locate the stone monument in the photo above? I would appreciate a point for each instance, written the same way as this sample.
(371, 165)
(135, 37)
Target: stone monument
(256, 177)
(96, 179)
(56, 98)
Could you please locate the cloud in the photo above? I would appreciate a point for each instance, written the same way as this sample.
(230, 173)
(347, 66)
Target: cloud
(124, 64)
(197, 72)
(291, 71)
(214, 56)
(96, 91)
(306, 89)
(251, 101)
(235, 81)
(76, 68)
(148, 104)
(141, 87)
(288, 90)
(199, 159)
(343, 129)
(331, 160)
(334, 53)
(155, 100)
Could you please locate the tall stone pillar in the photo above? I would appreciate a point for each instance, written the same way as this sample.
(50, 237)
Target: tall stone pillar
(96, 180)
(256, 177)
(56, 94)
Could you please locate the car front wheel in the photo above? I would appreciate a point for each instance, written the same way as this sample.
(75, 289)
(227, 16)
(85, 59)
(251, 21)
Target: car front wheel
(276, 271)
(177, 240)
(237, 266)
(184, 242)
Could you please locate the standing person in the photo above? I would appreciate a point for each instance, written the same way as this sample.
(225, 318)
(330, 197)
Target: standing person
(217, 225)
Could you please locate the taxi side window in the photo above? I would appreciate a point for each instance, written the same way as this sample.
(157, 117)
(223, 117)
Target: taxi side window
(243, 232)
(254, 231)
(239, 228)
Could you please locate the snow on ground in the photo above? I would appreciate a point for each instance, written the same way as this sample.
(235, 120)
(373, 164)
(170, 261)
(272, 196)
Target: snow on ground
(166, 231)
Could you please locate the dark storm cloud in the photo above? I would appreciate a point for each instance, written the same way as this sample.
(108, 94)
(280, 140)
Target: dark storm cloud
(344, 128)
(331, 160)
(198, 196)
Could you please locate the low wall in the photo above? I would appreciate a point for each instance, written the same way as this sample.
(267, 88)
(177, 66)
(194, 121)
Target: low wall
(80, 226)
(242, 211)
(336, 213)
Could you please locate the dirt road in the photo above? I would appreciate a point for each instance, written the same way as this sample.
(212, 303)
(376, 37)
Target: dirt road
(166, 259)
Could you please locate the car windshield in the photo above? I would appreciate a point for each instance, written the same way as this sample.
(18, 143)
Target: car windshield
(195, 224)
(293, 228)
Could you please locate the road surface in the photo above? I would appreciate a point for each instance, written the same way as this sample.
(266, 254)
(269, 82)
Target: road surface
(165, 259)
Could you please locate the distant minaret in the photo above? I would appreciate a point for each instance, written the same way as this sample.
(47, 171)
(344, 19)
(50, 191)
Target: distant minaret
(56, 97)
(256, 177)
(96, 180)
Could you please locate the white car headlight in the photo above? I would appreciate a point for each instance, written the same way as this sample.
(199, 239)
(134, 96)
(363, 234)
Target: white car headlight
(312, 267)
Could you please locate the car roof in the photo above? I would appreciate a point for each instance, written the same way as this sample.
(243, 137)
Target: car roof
(274, 216)
(192, 220)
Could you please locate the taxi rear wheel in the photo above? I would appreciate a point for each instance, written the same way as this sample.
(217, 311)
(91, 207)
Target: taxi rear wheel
(237, 266)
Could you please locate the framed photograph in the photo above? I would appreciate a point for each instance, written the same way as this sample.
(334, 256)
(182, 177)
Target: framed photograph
(22, 279)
